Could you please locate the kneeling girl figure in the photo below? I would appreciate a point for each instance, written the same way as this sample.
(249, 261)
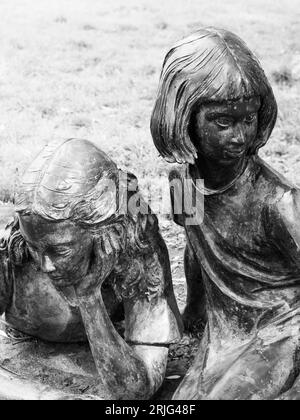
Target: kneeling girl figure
(215, 108)
(77, 259)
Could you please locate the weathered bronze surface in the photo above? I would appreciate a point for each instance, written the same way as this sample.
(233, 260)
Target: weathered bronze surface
(215, 109)
(74, 261)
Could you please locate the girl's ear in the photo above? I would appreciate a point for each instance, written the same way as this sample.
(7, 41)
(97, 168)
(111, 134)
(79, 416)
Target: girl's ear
(18, 252)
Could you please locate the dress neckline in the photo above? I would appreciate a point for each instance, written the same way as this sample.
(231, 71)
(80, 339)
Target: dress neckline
(209, 191)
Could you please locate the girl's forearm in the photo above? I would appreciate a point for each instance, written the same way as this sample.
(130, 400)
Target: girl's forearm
(119, 368)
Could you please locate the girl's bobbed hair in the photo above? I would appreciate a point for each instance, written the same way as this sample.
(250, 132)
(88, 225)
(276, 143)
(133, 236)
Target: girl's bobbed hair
(211, 65)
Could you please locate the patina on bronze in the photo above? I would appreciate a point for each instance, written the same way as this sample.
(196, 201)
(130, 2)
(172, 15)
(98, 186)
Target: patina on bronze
(215, 109)
(73, 262)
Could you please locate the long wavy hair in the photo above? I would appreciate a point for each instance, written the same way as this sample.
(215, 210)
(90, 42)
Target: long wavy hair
(211, 65)
(74, 180)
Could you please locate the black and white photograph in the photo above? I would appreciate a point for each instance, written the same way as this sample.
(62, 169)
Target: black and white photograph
(150, 202)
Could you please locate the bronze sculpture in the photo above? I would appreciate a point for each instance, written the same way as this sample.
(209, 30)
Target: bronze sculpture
(215, 108)
(73, 261)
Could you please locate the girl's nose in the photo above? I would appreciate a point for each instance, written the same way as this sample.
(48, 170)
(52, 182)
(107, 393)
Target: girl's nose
(47, 265)
(238, 135)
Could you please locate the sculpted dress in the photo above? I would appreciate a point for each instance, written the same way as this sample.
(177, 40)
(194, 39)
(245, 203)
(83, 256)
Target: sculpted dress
(246, 256)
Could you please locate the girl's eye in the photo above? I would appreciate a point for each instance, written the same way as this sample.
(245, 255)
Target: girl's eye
(250, 118)
(223, 122)
(61, 252)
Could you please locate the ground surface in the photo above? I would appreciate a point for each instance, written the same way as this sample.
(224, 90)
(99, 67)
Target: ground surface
(89, 69)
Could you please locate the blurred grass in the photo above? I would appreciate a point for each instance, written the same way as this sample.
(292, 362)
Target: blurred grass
(90, 69)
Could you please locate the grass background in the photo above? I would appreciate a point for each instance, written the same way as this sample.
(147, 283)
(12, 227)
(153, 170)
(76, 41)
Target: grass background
(90, 69)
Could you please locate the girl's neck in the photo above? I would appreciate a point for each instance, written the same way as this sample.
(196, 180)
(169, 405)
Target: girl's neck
(216, 175)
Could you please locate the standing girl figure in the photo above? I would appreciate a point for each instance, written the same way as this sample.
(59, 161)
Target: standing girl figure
(214, 110)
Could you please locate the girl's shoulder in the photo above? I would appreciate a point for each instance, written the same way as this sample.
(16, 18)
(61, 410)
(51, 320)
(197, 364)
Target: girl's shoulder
(281, 200)
(270, 184)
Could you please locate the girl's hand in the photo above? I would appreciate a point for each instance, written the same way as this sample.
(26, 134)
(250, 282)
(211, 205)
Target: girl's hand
(97, 274)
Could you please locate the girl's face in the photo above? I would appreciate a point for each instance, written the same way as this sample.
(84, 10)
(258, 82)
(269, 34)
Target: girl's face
(62, 249)
(226, 131)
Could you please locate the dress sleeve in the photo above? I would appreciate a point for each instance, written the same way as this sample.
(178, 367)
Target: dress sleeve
(143, 279)
(284, 223)
(151, 313)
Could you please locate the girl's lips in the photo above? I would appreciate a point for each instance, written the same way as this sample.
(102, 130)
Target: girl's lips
(53, 277)
(235, 153)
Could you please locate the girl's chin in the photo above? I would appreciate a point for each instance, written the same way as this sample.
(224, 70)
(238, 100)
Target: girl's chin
(225, 158)
(232, 156)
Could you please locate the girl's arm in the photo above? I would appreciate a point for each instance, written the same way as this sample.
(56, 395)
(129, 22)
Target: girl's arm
(119, 367)
(194, 316)
(134, 368)
(283, 225)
